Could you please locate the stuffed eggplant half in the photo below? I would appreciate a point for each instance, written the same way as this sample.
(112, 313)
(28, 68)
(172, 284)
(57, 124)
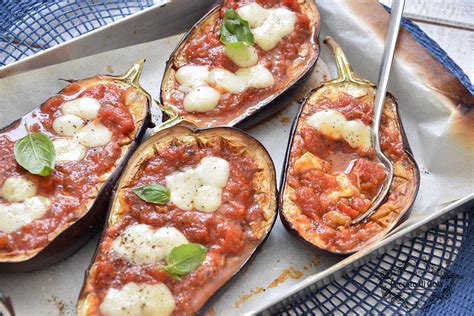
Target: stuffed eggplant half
(59, 163)
(238, 58)
(191, 208)
(331, 171)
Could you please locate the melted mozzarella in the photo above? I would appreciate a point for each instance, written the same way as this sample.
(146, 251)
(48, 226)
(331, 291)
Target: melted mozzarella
(329, 122)
(183, 187)
(17, 189)
(201, 187)
(94, 134)
(86, 108)
(213, 171)
(225, 80)
(280, 23)
(357, 134)
(68, 150)
(191, 77)
(138, 299)
(242, 56)
(208, 199)
(256, 77)
(253, 13)
(334, 124)
(68, 125)
(201, 99)
(142, 244)
(16, 215)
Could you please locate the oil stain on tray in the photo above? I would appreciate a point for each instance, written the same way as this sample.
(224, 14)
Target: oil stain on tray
(61, 306)
(284, 275)
(247, 296)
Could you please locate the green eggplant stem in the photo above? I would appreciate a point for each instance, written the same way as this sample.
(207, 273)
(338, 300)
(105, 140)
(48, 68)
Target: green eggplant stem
(174, 119)
(132, 76)
(344, 69)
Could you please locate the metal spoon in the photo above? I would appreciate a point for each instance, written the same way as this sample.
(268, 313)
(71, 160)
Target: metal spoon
(387, 58)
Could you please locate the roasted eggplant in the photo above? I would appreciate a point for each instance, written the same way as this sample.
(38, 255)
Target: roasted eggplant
(86, 132)
(218, 78)
(211, 189)
(331, 172)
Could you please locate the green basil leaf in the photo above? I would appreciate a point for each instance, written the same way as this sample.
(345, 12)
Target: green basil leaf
(183, 259)
(235, 31)
(153, 193)
(35, 152)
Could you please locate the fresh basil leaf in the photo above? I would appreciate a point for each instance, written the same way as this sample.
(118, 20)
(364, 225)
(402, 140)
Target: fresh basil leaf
(235, 31)
(35, 152)
(153, 193)
(183, 259)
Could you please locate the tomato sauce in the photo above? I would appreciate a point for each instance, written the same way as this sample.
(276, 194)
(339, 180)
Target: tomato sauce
(329, 198)
(70, 184)
(285, 60)
(226, 232)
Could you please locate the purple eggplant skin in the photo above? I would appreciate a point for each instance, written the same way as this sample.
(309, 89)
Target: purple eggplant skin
(344, 80)
(215, 297)
(277, 105)
(88, 299)
(72, 238)
(263, 110)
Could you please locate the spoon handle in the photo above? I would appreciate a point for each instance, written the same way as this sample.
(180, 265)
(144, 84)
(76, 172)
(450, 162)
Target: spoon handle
(387, 58)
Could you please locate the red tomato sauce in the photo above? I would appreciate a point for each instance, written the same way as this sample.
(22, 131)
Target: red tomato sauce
(225, 232)
(329, 205)
(70, 183)
(206, 49)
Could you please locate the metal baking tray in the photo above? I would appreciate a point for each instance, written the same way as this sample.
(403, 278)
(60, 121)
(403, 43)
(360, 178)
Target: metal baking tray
(285, 268)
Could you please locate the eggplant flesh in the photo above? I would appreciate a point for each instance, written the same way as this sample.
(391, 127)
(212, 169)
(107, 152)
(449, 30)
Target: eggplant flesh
(329, 227)
(126, 212)
(86, 219)
(297, 71)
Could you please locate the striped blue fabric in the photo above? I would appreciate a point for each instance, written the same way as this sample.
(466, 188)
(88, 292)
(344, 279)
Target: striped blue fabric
(438, 52)
(430, 274)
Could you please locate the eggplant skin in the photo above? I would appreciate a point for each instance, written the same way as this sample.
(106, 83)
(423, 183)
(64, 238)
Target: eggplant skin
(286, 205)
(88, 302)
(250, 115)
(72, 236)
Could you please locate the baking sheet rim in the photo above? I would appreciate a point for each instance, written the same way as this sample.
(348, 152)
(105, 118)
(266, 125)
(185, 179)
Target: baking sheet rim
(340, 267)
(380, 247)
